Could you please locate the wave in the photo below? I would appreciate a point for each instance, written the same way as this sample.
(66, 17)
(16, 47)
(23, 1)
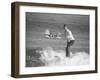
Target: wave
(57, 58)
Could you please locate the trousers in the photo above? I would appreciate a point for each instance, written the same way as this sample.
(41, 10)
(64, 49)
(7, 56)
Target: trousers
(69, 44)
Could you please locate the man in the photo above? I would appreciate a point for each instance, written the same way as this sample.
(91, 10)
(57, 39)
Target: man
(70, 40)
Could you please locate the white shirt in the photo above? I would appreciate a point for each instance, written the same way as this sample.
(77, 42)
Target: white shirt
(69, 35)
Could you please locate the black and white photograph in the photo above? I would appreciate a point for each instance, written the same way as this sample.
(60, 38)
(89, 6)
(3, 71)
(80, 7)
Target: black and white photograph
(52, 39)
(57, 39)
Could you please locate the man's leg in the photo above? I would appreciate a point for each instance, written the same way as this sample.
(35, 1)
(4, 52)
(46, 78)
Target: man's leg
(67, 50)
(69, 44)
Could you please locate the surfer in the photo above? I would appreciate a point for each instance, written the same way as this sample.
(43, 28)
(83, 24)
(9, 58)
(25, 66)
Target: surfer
(70, 40)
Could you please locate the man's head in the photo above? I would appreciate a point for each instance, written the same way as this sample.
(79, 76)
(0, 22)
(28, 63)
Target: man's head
(65, 27)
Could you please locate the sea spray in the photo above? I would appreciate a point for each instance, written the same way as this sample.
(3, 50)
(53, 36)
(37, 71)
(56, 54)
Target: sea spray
(57, 58)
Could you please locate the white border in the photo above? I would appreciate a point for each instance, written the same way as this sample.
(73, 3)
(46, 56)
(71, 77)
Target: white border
(36, 70)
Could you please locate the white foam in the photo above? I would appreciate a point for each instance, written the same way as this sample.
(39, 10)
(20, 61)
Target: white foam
(54, 58)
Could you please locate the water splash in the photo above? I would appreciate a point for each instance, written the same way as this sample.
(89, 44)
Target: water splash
(57, 58)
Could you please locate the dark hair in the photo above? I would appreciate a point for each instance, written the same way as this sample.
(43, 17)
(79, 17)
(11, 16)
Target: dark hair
(64, 25)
